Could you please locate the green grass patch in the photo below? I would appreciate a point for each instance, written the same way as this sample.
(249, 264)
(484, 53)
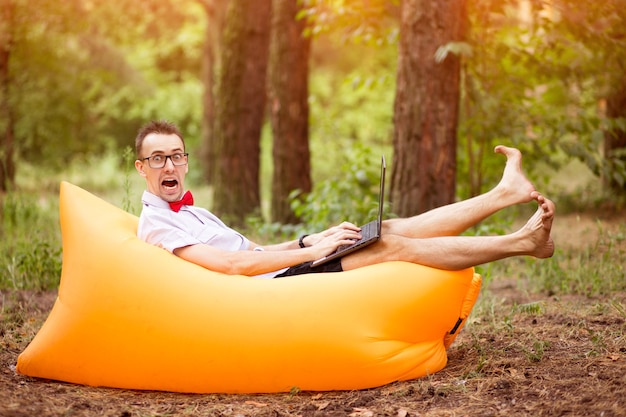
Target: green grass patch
(594, 268)
(30, 242)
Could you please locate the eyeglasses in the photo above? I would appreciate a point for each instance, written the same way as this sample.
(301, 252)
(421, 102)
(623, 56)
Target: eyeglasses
(159, 161)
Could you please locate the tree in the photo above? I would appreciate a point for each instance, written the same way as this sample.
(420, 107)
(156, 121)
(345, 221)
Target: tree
(80, 77)
(32, 79)
(215, 11)
(576, 36)
(615, 139)
(590, 37)
(289, 108)
(426, 106)
(613, 56)
(239, 109)
(7, 135)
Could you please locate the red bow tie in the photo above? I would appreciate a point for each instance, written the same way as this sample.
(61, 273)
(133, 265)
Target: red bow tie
(187, 200)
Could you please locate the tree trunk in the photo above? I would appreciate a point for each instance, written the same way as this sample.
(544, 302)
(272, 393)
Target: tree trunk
(289, 67)
(615, 140)
(7, 137)
(239, 109)
(215, 10)
(426, 106)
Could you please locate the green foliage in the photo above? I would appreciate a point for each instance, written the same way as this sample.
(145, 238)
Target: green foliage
(532, 80)
(351, 194)
(259, 230)
(360, 22)
(84, 77)
(347, 109)
(31, 245)
(350, 107)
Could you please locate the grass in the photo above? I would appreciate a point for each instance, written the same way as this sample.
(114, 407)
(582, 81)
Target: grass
(30, 242)
(593, 267)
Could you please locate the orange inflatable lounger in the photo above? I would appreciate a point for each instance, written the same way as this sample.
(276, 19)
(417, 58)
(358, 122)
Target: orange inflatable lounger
(131, 315)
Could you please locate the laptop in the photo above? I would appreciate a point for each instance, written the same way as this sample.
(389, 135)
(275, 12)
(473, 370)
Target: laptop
(370, 232)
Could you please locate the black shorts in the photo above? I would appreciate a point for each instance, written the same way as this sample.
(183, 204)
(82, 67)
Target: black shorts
(305, 268)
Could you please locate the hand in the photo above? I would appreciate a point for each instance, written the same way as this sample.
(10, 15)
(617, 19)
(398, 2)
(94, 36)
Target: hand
(316, 238)
(329, 240)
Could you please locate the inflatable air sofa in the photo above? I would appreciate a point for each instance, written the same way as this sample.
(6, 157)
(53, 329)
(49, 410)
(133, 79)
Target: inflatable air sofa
(131, 315)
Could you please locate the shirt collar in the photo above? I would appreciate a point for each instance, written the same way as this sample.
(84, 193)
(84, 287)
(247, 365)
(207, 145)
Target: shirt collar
(150, 199)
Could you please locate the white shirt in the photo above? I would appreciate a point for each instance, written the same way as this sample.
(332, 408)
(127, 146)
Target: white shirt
(161, 226)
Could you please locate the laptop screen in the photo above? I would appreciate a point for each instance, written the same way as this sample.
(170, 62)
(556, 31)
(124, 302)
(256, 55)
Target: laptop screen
(381, 195)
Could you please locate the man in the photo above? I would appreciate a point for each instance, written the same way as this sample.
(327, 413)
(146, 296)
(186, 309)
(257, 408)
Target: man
(170, 220)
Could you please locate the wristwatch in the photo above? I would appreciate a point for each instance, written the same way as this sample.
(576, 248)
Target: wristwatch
(301, 241)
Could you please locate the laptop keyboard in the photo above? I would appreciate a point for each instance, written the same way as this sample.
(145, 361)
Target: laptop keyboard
(367, 231)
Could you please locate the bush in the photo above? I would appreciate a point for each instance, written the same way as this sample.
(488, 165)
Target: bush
(350, 195)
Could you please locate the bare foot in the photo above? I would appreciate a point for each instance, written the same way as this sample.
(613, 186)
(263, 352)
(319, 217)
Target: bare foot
(539, 227)
(514, 183)
(548, 208)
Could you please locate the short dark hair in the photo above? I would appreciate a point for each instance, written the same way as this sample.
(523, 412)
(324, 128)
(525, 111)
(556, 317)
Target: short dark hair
(162, 127)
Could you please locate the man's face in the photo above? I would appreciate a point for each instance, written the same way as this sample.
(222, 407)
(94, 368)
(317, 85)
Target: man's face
(167, 182)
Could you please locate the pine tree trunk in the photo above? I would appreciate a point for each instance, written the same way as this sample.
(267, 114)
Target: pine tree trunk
(7, 139)
(215, 10)
(289, 110)
(426, 106)
(239, 110)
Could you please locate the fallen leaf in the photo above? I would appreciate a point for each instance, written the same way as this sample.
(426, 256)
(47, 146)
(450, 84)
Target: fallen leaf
(323, 405)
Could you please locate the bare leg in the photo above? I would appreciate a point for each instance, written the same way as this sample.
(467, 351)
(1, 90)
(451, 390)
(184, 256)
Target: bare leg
(453, 219)
(459, 252)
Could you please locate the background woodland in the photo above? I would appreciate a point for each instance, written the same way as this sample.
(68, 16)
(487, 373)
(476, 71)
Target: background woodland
(280, 100)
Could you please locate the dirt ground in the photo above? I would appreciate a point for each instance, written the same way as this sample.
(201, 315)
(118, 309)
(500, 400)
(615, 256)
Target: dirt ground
(565, 356)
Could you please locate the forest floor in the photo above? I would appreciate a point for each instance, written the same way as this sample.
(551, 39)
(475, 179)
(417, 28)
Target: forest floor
(567, 358)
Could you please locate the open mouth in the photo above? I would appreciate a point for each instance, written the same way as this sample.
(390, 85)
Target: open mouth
(169, 183)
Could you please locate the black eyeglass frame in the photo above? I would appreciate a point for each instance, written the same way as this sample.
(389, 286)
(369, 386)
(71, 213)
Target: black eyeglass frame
(184, 154)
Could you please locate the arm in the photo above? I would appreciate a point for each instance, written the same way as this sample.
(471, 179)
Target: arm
(247, 262)
(313, 239)
(251, 262)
